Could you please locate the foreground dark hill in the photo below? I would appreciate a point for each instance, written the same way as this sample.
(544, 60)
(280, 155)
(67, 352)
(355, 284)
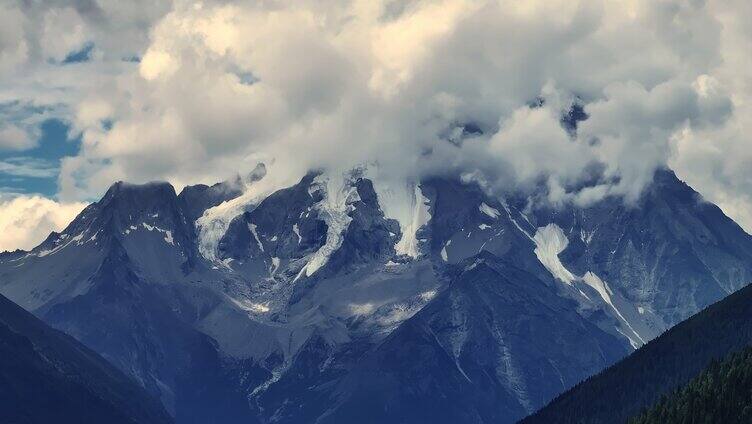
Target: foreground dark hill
(48, 377)
(345, 297)
(658, 368)
(722, 393)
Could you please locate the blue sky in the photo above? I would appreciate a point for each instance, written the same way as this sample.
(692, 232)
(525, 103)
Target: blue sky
(35, 171)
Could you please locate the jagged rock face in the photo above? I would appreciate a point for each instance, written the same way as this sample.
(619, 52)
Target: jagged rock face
(196, 199)
(669, 255)
(369, 235)
(319, 302)
(284, 225)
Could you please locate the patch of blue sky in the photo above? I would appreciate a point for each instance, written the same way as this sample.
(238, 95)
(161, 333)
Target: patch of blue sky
(36, 170)
(81, 55)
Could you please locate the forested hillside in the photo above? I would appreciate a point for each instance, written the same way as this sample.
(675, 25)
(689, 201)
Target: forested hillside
(721, 394)
(657, 369)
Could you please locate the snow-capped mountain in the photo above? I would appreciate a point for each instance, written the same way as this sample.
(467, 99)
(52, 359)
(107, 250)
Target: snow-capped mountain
(346, 299)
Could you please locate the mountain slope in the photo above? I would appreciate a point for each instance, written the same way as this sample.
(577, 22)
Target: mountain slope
(247, 302)
(46, 376)
(658, 368)
(475, 334)
(722, 393)
(672, 253)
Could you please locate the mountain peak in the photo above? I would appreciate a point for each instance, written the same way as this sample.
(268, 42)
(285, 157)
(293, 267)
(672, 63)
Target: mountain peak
(129, 190)
(319, 274)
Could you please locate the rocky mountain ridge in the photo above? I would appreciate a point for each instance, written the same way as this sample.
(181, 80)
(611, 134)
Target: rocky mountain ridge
(233, 302)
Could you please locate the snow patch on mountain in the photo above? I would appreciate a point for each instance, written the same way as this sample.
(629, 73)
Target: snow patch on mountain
(600, 286)
(334, 209)
(361, 308)
(296, 230)
(46, 252)
(167, 233)
(250, 306)
(213, 224)
(605, 291)
(489, 211)
(586, 237)
(514, 221)
(405, 203)
(277, 373)
(254, 231)
(550, 241)
(444, 253)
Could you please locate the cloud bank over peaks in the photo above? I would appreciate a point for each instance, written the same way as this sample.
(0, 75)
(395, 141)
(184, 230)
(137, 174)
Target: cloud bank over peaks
(475, 89)
(322, 85)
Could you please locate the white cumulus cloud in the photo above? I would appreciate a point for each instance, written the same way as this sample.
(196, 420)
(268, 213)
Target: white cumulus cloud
(417, 87)
(340, 84)
(25, 221)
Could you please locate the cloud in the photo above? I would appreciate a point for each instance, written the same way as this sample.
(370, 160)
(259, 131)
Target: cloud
(62, 31)
(53, 53)
(22, 166)
(14, 48)
(717, 160)
(347, 84)
(25, 221)
(415, 87)
(14, 138)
